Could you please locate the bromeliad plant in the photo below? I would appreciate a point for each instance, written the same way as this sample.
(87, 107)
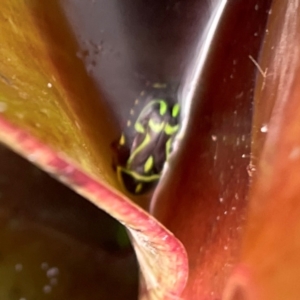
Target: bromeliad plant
(205, 220)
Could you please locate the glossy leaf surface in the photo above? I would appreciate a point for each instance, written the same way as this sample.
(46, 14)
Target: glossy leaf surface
(89, 63)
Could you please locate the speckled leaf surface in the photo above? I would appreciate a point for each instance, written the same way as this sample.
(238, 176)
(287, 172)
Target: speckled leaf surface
(228, 197)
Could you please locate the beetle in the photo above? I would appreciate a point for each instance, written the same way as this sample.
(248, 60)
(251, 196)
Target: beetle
(146, 154)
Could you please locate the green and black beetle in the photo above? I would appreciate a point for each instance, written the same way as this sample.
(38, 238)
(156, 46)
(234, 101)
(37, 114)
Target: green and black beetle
(146, 154)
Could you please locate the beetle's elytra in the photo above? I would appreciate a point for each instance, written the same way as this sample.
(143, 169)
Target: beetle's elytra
(154, 132)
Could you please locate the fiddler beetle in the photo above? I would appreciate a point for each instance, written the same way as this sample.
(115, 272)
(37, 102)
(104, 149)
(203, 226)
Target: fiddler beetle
(146, 154)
